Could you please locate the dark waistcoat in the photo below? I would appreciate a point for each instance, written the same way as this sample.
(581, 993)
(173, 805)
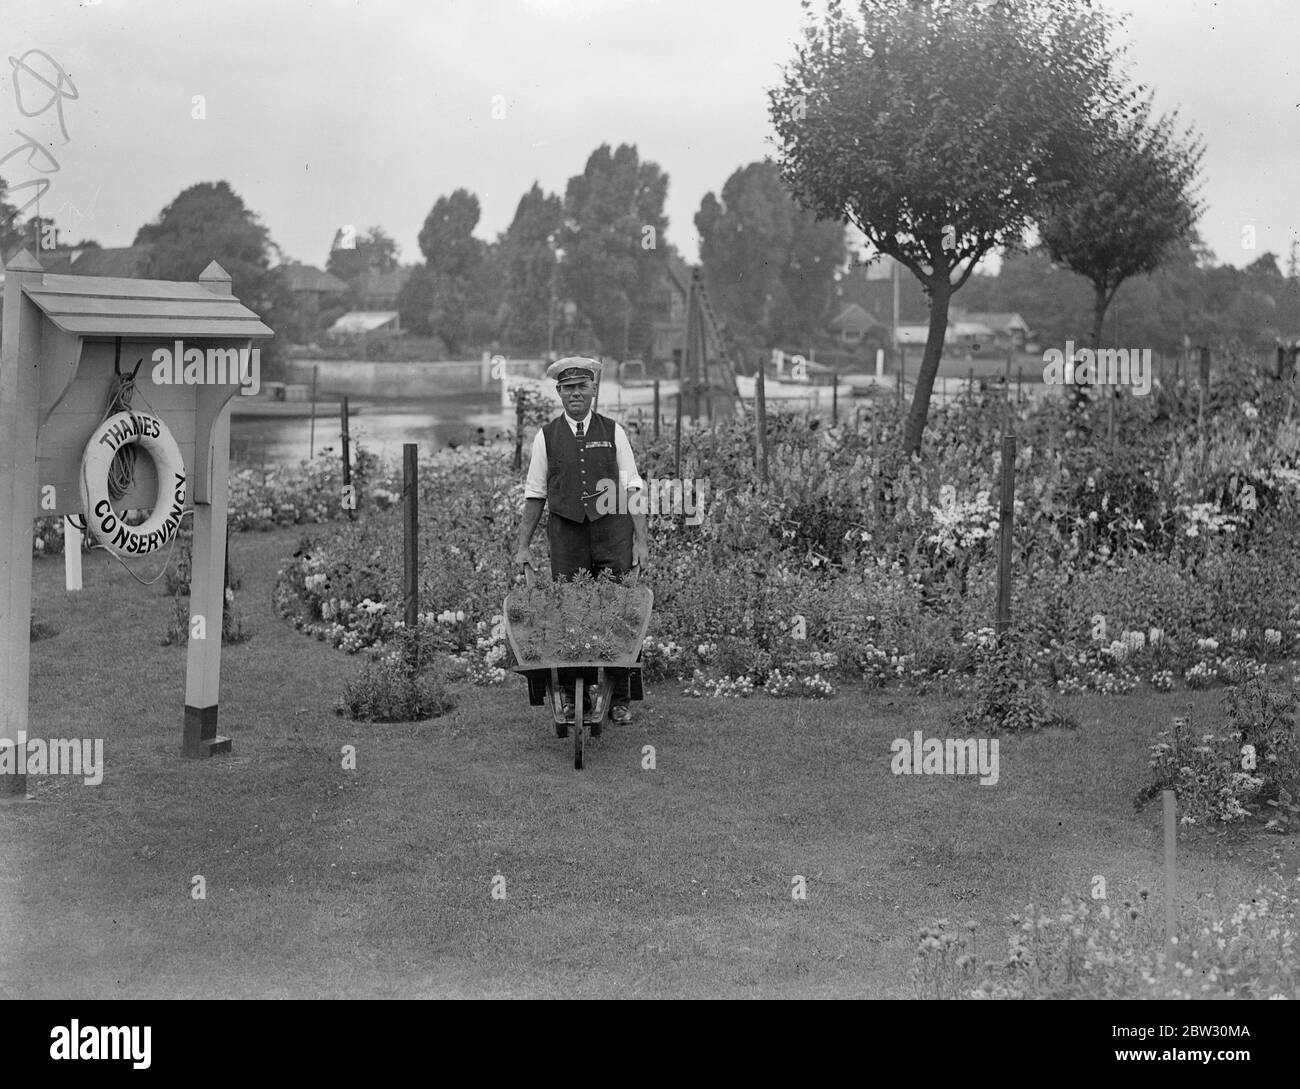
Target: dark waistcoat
(575, 467)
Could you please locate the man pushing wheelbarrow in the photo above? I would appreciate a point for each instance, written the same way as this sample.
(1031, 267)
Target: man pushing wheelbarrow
(576, 458)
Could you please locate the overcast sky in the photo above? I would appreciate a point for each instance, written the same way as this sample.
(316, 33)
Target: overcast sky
(322, 113)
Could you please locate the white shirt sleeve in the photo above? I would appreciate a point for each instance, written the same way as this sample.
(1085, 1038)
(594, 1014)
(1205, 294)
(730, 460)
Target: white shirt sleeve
(626, 460)
(535, 485)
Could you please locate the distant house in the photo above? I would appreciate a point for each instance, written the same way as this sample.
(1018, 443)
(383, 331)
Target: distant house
(318, 297)
(853, 325)
(128, 261)
(972, 332)
(356, 324)
(1007, 330)
(379, 290)
(310, 281)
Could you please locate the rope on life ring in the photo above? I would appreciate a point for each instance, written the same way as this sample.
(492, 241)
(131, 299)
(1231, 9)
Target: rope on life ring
(104, 523)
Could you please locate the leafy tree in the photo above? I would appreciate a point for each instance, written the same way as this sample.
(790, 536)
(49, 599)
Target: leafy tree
(415, 301)
(939, 128)
(11, 235)
(437, 297)
(372, 250)
(486, 312)
(209, 222)
(531, 276)
(1126, 207)
(770, 264)
(613, 238)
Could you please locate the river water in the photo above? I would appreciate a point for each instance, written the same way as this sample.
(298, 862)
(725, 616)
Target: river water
(382, 426)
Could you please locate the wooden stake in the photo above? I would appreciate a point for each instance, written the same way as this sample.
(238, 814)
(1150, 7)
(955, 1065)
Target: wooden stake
(347, 462)
(656, 408)
(677, 442)
(1006, 517)
(519, 431)
(835, 398)
(311, 441)
(760, 394)
(1171, 880)
(411, 548)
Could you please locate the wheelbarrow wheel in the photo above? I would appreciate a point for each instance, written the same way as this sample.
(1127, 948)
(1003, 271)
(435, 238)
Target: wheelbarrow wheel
(555, 696)
(579, 725)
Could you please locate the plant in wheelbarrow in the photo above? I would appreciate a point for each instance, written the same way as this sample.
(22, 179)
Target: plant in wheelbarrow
(402, 685)
(579, 619)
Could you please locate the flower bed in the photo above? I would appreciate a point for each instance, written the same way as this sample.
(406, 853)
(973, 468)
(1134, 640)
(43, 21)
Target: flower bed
(856, 564)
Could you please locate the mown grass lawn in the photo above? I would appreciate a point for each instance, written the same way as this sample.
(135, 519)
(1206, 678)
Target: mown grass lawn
(619, 881)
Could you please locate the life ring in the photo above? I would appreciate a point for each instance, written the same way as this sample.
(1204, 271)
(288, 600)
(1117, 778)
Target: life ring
(104, 523)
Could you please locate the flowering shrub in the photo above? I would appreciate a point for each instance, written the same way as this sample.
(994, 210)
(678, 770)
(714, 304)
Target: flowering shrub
(734, 687)
(1005, 692)
(387, 689)
(1250, 766)
(812, 686)
(306, 493)
(1091, 949)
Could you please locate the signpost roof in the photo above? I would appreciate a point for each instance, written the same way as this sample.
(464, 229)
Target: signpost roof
(122, 306)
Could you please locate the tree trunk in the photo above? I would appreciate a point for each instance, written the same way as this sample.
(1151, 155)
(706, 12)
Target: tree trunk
(1100, 302)
(940, 294)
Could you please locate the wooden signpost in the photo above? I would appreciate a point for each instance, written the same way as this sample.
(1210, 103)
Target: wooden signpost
(61, 336)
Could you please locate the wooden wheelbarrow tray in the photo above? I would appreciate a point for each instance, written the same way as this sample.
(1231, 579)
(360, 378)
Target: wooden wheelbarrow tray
(549, 677)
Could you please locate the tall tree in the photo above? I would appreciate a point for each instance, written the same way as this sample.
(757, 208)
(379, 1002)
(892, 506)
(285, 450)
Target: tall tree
(614, 245)
(528, 254)
(938, 127)
(770, 264)
(210, 222)
(438, 296)
(1128, 205)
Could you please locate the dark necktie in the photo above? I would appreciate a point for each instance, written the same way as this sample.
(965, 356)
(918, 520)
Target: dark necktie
(579, 429)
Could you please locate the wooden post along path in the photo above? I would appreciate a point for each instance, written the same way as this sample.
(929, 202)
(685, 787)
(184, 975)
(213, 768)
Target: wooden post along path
(1005, 528)
(411, 548)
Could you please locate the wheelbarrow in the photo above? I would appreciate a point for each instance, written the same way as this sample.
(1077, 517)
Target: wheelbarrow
(592, 681)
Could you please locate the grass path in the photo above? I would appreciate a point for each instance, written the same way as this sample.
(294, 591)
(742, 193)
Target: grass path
(619, 881)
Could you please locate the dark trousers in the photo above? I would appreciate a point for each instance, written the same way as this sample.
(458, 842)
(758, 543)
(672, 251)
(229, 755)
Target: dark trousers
(602, 545)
